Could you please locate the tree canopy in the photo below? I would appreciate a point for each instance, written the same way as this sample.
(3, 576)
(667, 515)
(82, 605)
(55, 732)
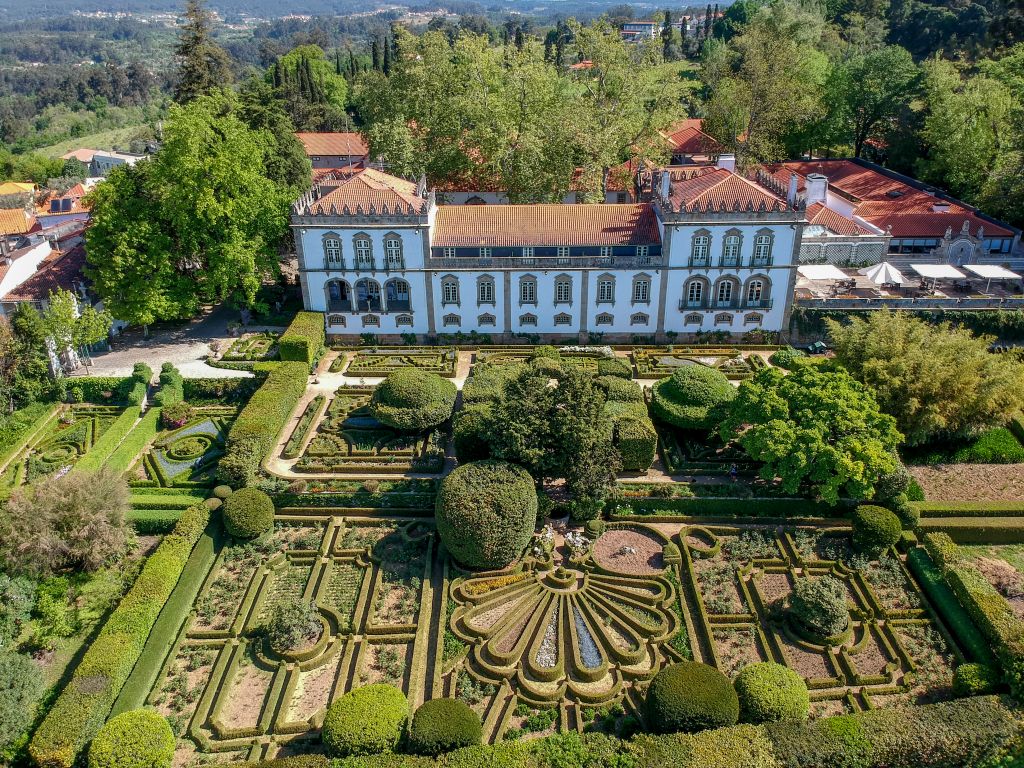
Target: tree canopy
(817, 431)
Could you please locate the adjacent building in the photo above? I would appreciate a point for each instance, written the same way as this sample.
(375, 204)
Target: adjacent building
(334, 150)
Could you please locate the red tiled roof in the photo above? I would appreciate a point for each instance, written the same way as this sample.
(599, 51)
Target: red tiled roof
(834, 221)
(326, 175)
(55, 272)
(585, 64)
(720, 188)
(14, 221)
(81, 155)
(888, 202)
(503, 226)
(365, 188)
(333, 144)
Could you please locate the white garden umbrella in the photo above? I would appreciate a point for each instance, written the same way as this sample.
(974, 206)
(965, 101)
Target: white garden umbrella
(882, 274)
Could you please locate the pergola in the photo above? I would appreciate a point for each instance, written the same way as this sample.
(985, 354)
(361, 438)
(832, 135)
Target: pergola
(821, 272)
(991, 272)
(936, 272)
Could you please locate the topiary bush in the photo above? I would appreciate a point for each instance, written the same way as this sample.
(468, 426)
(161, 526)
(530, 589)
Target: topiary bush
(875, 529)
(441, 725)
(975, 680)
(614, 366)
(908, 515)
(140, 738)
(689, 697)
(817, 608)
(411, 400)
(365, 721)
(785, 357)
(248, 513)
(692, 397)
(768, 692)
(469, 432)
(486, 512)
(222, 491)
(293, 625)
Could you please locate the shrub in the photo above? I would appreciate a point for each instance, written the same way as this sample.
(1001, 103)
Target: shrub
(176, 415)
(441, 725)
(690, 696)
(365, 721)
(255, 431)
(637, 442)
(875, 529)
(213, 503)
(975, 680)
(692, 397)
(141, 738)
(908, 514)
(293, 625)
(997, 446)
(172, 386)
(890, 485)
(817, 607)
(303, 341)
(488, 381)
(222, 491)
(142, 372)
(469, 432)
(614, 366)
(620, 390)
(21, 685)
(411, 400)
(248, 513)
(785, 357)
(769, 692)
(486, 512)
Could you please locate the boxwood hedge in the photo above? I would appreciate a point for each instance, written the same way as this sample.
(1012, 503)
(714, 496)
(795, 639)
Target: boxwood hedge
(690, 696)
(303, 342)
(442, 725)
(411, 400)
(365, 721)
(141, 738)
(692, 397)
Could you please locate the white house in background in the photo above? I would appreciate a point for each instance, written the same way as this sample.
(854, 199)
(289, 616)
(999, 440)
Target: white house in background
(709, 251)
(635, 31)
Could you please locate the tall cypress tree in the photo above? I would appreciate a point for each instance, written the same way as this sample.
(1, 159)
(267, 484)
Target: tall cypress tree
(386, 64)
(375, 55)
(666, 36)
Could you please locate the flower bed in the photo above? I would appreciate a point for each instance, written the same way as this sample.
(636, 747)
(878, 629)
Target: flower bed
(376, 362)
(735, 363)
(252, 347)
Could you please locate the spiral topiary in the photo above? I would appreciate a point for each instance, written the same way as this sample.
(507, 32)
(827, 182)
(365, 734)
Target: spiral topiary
(411, 400)
(365, 721)
(692, 397)
(768, 691)
(248, 513)
(140, 738)
(486, 512)
(875, 529)
(818, 610)
(441, 725)
(690, 697)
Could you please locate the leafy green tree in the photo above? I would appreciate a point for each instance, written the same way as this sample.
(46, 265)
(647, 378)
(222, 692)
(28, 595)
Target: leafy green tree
(30, 380)
(936, 381)
(816, 431)
(203, 66)
(286, 164)
(72, 326)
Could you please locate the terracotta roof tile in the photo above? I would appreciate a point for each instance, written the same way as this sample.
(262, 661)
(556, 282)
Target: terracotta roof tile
(365, 188)
(498, 226)
(834, 221)
(56, 271)
(14, 221)
(320, 144)
(720, 188)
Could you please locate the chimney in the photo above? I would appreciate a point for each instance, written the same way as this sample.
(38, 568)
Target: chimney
(791, 192)
(727, 161)
(666, 185)
(817, 188)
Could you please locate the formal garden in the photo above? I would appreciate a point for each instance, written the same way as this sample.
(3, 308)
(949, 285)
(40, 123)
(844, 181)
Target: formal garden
(557, 565)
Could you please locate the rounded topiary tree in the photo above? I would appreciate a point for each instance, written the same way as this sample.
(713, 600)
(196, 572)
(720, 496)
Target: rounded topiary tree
(818, 610)
(875, 529)
(486, 512)
(365, 721)
(768, 691)
(692, 397)
(140, 738)
(411, 400)
(248, 513)
(690, 696)
(441, 725)
(222, 491)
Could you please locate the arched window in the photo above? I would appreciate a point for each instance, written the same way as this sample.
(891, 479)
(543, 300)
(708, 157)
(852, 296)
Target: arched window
(605, 319)
(332, 251)
(753, 318)
(397, 294)
(638, 318)
(695, 293)
(700, 248)
(452, 319)
(694, 318)
(724, 292)
(364, 251)
(339, 298)
(563, 319)
(486, 319)
(368, 295)
(731, 244)
(528, 291)
(756, 293)
(403, 320)
(485, 290)
(763, 242)
(723, 318)
(338, 320)
(371, 320)
(449, 290)
(606, 289)
(563, 289)
(527, 319)
(393, 251)
(476, 200)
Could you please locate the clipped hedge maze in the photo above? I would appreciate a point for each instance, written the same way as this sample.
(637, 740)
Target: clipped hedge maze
(252, 347)
(348, 439)
(735, 582)
(371, 362)
(370, 582)
(186, 456)
(657, 363)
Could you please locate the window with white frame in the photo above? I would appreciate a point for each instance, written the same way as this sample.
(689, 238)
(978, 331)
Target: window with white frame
(563, 252)
(332, 251)
(762, 250)
(485, 291)
(641, 290)
(393, 252)
(731, 250)
(642, 251)
(606, 251)
(563, 290)
(485, 253)
(699, 250)
(528, 252)
(527, 319)
(606, 290)
(528, 290)
(724, 293)
(364, 253)
(449, 290)
(694, 293)
(755, 292)
(605, 319)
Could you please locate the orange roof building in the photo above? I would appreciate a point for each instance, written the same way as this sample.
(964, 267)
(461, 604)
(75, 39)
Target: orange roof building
(334, 150)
